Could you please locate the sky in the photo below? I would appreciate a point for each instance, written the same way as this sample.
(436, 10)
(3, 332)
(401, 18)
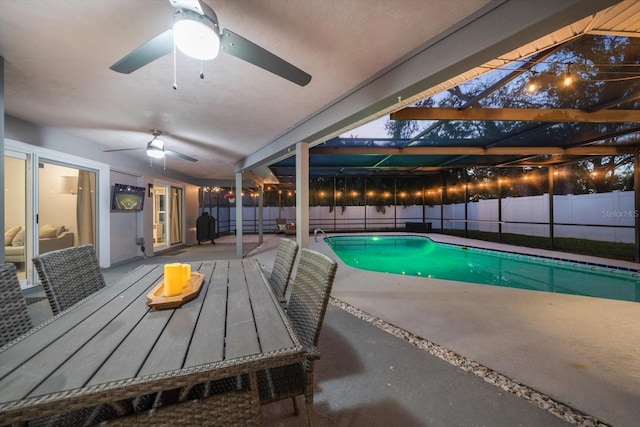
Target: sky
(374, 129)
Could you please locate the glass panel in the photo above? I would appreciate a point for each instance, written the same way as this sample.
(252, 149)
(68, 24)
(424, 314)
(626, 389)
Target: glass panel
(159, 216)
(15, 215)
(66, 207)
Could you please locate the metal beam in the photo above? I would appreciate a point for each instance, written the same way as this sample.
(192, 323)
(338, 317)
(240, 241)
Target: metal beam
(502, 27)
(556, 115)
(591, 150)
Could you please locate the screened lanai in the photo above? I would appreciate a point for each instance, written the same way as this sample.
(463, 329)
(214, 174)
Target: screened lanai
(563, 121)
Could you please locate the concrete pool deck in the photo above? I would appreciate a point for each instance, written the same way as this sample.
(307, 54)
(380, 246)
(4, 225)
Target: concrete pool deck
(581, 351)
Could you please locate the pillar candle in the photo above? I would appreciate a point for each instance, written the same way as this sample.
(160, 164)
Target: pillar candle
(186, 269)
(173, 279)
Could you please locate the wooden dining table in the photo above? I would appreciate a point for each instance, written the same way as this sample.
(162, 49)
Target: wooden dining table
(113, 348)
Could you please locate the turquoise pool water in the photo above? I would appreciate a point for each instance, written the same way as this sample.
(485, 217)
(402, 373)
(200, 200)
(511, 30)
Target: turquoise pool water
(421, 256)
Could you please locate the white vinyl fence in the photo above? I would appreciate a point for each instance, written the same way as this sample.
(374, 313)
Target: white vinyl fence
(602, 216)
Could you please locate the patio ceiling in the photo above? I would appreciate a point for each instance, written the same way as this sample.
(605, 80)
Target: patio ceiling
(487, 118)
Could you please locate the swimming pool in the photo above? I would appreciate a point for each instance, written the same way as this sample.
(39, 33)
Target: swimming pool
(421, 256)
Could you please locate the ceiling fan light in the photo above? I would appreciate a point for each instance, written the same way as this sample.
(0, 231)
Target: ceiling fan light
(156, 153)
(195, 35)
(155, 147)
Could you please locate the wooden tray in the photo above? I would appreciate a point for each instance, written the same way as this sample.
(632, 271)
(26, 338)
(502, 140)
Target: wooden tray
(191, 290)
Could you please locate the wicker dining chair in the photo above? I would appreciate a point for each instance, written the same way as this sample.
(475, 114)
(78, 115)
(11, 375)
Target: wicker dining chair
(14, 316)
(282, 268)
(307, 307)
(69, 275)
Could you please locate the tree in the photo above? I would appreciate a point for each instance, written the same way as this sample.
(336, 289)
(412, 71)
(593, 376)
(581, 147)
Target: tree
(603, 68)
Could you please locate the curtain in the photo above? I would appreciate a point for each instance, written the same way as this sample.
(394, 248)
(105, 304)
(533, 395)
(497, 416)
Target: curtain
(176, 216)
(86, 208)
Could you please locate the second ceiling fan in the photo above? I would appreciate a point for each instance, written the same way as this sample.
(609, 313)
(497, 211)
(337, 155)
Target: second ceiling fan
(196, 33)
(155, 149)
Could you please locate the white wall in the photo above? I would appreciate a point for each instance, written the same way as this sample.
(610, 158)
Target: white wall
(124, 224)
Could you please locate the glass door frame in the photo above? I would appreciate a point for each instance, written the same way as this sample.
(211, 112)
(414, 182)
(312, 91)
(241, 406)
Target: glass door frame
(35, 155)
(27, 281)
(168, 214)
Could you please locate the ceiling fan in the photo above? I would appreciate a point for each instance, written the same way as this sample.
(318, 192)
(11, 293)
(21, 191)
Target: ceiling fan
(196, 33)
(155, 149)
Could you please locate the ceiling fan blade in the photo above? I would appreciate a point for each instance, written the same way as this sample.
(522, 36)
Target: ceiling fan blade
(179, 155)
(155, 48)
(124, 149)
(242, 48)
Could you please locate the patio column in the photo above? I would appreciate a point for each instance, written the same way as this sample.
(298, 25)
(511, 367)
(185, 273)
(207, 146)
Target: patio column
(551, 207)
(441, 202)
(424, 218)
(239, 215)
(499, 174)
(636, 193)
(395, 203)
(302, 194)
(260, 213)
(365, 204)
(466, 204)
(2, 253)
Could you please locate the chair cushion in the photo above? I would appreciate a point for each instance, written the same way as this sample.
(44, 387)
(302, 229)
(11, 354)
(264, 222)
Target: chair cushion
(10, 234)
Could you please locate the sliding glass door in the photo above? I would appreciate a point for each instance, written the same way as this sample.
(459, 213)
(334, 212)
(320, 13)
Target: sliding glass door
(54, 208)
(168, 223)
(66, 213)
(17, 245)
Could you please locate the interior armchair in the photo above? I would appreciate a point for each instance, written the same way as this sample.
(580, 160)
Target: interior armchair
(281, 225)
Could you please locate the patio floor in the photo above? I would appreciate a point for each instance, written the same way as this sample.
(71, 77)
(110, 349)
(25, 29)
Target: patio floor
(578, 351)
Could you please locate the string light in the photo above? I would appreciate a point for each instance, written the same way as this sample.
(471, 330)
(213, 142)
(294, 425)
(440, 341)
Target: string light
(568, 79)
(533, 85)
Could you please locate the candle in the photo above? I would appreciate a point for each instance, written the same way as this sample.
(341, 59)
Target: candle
(186, 269)
(173, 279)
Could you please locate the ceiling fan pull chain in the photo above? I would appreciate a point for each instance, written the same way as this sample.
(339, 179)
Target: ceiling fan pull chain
(164, 163)
(175, 74)
(201, 70)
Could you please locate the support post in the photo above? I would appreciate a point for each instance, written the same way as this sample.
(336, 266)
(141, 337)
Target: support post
(499, 205)
(466, 206)
(239, 249)
(636, 193)
(2, 200)
(302, 194)
(441, 202)
(260, 213)
(551, 245)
